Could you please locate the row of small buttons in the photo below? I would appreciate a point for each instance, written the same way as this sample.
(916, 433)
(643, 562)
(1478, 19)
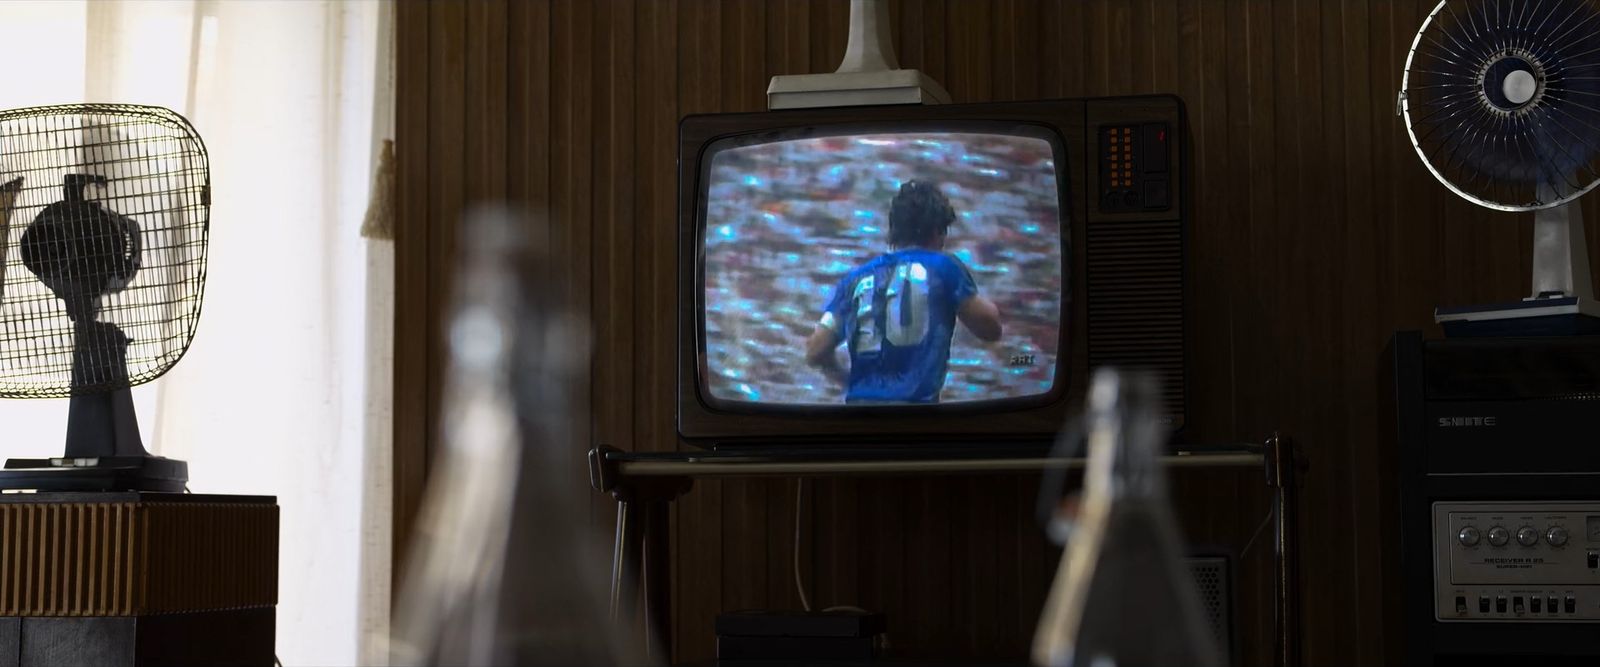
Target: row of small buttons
(1526, 536)
(1535, 604)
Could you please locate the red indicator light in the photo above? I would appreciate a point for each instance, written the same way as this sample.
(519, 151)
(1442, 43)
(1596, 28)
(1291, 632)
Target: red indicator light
(1161, 135)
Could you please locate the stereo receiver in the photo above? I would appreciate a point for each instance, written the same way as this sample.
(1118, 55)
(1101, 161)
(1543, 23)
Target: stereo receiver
(1497, 480)
(1508, 561)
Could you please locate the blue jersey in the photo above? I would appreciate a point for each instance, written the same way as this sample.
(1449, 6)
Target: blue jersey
(897, 313)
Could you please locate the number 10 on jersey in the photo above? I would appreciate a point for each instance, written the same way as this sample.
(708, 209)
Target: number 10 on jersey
(903, 320)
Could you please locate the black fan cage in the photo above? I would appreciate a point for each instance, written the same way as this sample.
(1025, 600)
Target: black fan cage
(143, 163)
(1502, 99)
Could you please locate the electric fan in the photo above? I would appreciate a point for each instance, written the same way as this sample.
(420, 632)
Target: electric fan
(104, 214)
(1501, 100)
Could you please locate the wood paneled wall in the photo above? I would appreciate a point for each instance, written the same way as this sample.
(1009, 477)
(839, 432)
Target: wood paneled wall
(1317, 234)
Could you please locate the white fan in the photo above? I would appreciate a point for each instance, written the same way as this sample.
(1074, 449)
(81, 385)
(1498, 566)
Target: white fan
(1501, 100)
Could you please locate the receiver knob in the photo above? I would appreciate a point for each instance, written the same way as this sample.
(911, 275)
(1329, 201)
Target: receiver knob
(1527, 536)
(1556, 536)
(1498, 536)
(1468, 536)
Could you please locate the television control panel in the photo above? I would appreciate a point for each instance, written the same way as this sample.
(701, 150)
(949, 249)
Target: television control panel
(1517, 561)
(1135, 167)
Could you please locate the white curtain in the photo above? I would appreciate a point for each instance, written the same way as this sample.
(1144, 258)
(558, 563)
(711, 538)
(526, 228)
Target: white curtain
(285, 389)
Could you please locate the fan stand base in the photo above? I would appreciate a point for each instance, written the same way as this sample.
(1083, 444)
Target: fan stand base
(1549, 316)
(105, 473)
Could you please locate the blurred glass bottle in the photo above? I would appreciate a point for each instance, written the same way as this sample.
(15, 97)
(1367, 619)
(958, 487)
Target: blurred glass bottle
(504, 569)
(1122, 597)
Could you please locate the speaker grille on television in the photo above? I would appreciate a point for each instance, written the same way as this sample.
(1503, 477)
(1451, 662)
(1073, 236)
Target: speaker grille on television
(1135, 301)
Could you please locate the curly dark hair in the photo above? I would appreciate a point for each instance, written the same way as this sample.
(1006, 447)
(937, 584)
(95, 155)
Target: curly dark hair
(918, 213)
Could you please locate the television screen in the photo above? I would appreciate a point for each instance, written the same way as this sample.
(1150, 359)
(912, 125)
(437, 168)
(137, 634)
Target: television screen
(882, 267)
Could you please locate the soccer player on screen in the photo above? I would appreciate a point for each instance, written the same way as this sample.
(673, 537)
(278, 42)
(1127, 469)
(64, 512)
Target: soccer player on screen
(898, 311)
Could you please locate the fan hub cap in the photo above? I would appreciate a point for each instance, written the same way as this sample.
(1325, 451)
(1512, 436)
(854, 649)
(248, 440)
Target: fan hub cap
(1520, 86)
(1511, 83)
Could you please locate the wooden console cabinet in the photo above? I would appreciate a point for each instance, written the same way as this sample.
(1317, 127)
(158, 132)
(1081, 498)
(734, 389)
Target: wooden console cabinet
(136, 578)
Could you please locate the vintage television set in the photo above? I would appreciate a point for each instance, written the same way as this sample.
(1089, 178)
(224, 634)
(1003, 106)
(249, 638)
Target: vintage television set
(842, 270)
